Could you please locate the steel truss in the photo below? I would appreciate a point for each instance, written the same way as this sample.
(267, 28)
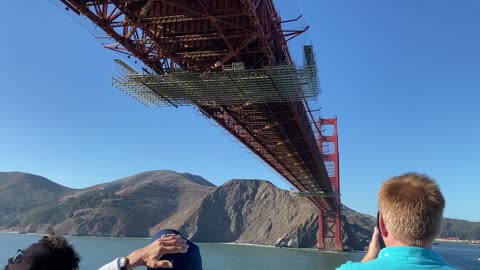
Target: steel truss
(165, 33)
(189, 47)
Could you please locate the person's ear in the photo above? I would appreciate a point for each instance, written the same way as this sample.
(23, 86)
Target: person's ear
(383, 228)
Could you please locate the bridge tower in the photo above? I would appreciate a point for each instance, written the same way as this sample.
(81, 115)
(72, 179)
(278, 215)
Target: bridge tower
(329, 223)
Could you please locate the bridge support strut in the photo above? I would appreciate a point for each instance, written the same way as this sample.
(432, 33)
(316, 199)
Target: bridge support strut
(329, 224)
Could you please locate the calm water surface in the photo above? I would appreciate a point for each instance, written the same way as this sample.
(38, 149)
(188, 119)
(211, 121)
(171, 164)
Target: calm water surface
(97, 251)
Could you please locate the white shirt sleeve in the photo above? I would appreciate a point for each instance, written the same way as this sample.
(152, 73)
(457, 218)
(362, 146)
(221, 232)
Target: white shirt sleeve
(114, 265)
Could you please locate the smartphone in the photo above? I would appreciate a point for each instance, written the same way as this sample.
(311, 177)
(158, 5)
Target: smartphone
(380, 238)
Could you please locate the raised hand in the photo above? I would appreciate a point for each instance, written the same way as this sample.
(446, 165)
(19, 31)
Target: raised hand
(150, 256)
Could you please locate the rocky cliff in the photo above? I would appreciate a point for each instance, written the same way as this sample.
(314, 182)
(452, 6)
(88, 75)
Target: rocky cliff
(255, 211)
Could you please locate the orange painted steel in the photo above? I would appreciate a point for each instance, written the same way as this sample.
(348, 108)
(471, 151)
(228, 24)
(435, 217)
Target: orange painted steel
(329, 223)
(199, 35)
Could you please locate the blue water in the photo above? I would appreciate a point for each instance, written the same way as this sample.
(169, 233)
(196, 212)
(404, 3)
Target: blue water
(96, 251)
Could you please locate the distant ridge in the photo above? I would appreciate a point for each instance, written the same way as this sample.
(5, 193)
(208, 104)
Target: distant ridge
(165, 178)
(16, 181)
(21, 192)
(124, 207)
(244, 211)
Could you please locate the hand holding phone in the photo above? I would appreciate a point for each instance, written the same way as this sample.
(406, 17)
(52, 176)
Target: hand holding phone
(374, 246)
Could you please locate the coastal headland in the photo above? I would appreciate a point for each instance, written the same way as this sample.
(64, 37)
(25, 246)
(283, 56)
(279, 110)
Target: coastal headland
(239, 211)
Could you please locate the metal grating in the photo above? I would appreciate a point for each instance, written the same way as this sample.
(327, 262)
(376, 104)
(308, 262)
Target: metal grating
(231, 86)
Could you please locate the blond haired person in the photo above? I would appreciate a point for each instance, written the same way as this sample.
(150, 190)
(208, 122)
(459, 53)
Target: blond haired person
(411, 208)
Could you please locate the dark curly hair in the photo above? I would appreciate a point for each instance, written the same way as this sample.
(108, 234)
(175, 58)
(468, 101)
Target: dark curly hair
(60, 255)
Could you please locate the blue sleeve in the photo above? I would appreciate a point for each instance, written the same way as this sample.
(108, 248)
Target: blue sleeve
(349, 265)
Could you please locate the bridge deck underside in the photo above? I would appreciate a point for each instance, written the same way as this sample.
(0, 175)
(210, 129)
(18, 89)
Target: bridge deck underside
(197, 35)
(202, 36)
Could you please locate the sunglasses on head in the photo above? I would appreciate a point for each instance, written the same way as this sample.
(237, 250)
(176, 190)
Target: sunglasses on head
(18, 258)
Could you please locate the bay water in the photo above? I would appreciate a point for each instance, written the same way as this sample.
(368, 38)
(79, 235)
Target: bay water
(96, 251)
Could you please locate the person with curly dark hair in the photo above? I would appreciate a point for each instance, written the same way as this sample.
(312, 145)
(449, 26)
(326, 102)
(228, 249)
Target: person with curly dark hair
(49, 253)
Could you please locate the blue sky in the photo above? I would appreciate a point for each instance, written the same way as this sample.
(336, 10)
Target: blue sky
(403, 78)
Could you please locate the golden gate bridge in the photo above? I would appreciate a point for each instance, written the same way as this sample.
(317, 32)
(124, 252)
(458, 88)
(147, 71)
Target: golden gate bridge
(230, 59)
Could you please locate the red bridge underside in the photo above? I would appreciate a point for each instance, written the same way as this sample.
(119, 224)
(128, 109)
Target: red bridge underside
(201, 36)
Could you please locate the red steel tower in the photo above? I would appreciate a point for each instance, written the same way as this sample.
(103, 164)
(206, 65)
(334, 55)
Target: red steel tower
(329, 223)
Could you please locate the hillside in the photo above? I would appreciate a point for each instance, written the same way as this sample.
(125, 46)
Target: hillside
(22, 193)
(244, 211)
(125, 207)
(461, 229)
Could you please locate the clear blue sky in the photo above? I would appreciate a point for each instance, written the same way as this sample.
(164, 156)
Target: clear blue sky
(403, 77)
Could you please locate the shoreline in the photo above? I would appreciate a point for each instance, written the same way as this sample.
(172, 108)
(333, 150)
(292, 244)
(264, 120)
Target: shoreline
(439, 240)
(290, 248)
(5, 231)
(221, 243)
(472, 242)
(242, 244)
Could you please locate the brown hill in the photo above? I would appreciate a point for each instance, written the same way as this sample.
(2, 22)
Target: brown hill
(15, 183)
(21, 192)
(132, 205)
(125, 207)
